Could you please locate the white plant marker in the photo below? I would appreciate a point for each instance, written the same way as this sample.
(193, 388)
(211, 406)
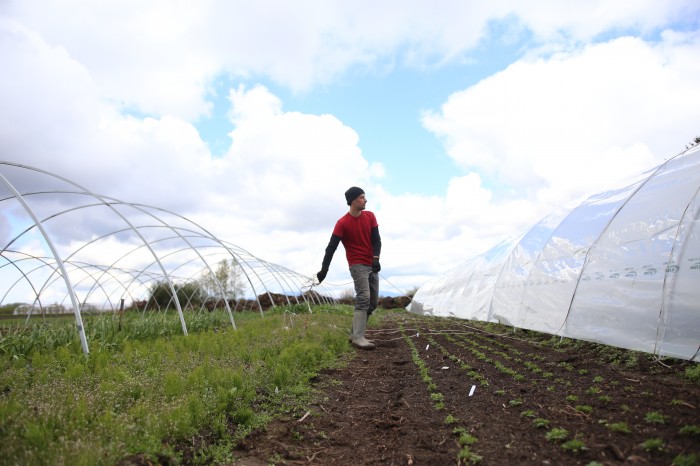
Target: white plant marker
(427, 346)
(471, 392)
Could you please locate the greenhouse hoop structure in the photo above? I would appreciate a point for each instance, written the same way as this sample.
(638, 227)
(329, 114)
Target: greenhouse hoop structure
(620, 268)
(65, 247)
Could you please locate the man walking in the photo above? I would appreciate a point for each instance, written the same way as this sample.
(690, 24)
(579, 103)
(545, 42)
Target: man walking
(359, 232)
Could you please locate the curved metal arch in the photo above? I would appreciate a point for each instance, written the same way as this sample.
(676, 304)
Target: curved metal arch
(164, 225)
(222, 243)
(109, 278)
(138, 233)
(137, 207)
(24, 275)
(238, 258)
(66, 278)
(100, 283)
(51, 280)
(302, 279)
(180, 236)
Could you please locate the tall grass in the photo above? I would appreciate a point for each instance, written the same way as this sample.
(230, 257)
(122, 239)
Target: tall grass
(147, 389)
(20, 339)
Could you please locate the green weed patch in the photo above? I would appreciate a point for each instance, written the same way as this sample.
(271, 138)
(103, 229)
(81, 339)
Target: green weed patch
(146, 388)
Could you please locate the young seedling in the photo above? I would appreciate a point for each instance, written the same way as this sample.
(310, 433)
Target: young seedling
(691, 459)
(574, 446)
(677, 402)
(466, 456)
(450, 419)
(557, 435)
(439, 400)
(586, 409)
(653, 444)
(467, 439)
(540, 423)
(655, 417)
(621, 427)
(690, 430)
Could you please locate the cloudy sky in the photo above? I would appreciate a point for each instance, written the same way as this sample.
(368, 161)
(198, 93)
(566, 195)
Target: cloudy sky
(464, 121)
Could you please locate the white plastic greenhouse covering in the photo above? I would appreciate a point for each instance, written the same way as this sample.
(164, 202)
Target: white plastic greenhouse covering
(621, 268)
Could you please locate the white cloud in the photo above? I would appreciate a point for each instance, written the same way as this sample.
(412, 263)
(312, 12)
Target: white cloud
(106, 93)
(557, 128)
(159, 57)
(291, 165)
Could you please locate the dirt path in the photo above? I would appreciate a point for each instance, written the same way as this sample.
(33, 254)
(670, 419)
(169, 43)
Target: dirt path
(408, 403)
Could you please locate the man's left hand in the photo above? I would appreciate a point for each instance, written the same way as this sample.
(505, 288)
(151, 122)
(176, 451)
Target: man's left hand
(376, 267)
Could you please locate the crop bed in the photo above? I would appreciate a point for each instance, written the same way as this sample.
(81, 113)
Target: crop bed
(446, 391)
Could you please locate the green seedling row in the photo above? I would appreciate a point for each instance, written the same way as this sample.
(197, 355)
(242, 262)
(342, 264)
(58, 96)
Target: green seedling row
(584, 390)
(465, 440)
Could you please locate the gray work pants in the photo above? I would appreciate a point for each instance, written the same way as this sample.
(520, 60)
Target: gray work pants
(366, 288)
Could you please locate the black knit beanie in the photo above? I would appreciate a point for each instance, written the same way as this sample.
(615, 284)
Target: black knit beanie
(353, 193)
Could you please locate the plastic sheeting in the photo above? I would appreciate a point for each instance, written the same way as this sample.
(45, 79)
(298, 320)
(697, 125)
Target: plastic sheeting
(621, 268)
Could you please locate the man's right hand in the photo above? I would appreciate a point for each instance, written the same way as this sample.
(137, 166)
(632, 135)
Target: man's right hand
(321, 275)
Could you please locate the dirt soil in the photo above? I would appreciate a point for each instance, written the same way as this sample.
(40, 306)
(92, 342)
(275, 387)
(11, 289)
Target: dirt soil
(381, 408)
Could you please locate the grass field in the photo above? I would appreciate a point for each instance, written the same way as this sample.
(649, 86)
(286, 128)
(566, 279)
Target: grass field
(146, 394)
(145, 387)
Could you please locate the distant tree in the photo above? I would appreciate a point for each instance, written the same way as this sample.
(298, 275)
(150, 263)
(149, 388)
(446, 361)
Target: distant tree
(226, 282)
(9, 309)
(188, 293)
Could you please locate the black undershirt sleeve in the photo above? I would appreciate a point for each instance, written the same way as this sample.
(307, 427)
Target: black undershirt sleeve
(376, 241)
(330, 250)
